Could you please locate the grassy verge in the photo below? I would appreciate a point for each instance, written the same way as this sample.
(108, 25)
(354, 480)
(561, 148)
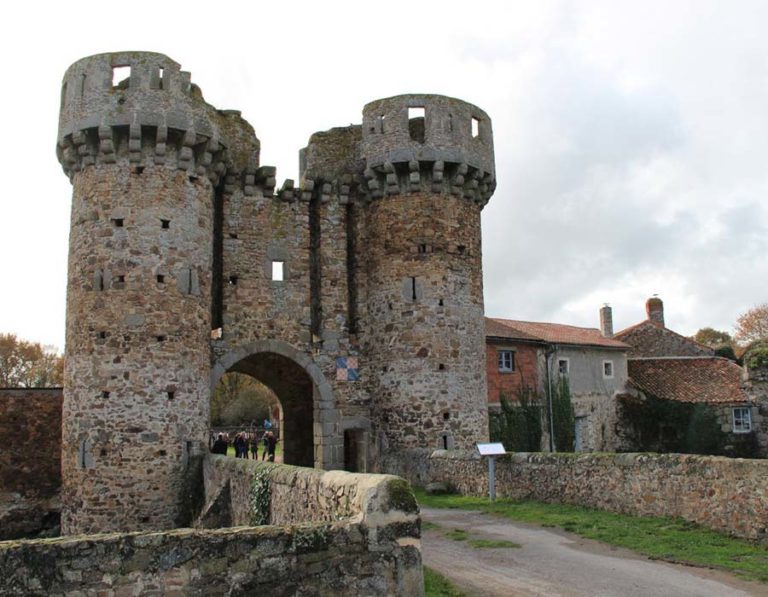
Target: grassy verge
(436, 585)
(669, 539)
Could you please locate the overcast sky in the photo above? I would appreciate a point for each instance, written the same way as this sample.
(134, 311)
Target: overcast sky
(631, 137)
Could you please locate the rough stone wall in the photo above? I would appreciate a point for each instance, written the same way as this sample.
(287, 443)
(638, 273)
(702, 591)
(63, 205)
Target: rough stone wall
(365, 540)
(296, 495)
(649, 339)
(142, 160)
(311, 559)
(509, 383)
(728, 495)
(30, 461)
(424, 333)
(756, 386)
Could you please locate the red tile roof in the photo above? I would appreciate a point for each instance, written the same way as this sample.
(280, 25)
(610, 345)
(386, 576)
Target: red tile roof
(554, 333)
(711, 380)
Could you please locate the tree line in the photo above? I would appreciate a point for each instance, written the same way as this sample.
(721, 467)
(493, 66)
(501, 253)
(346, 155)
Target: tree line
(26, 364)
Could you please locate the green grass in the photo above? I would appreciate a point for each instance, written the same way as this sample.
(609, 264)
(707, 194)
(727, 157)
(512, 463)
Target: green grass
(669, 539)
(462, 535)
(436, 585)
(457, 534)
(493, 544)
(429, 526)
(278, 451)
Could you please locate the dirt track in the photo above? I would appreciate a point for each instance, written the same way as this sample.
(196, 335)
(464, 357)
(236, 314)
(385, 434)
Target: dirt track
(555, 564)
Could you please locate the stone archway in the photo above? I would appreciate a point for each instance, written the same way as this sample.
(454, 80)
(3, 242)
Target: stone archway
(311, 422)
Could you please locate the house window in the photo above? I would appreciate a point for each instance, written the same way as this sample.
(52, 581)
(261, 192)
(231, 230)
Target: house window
(742, 419)
(563, 367)
(506, 360)
(608, 369)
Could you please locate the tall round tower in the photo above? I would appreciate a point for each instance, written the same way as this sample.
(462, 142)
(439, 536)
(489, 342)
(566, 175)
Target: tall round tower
(141, 149)
(430, 171)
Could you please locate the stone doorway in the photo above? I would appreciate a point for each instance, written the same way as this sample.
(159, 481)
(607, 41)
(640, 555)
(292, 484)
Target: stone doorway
(310, 429)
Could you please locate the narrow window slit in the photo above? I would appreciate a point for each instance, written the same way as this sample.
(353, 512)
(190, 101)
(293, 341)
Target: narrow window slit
(278, 271)
(413, 288)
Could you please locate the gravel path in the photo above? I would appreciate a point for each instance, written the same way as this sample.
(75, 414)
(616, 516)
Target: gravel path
(555, 563)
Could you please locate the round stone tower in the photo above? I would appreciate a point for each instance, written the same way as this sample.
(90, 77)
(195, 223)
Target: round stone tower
(430, 171)
(141, 149)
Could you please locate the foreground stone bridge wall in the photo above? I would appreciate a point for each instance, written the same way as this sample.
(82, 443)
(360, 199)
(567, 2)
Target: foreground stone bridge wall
(362, 539)
(725, 494)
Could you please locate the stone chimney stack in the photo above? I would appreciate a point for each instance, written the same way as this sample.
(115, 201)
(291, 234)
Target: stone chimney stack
(606, 321)
(655, 309)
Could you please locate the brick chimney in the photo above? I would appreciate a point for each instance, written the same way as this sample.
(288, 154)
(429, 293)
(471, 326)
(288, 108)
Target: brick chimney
(606, 321)
(655, 309)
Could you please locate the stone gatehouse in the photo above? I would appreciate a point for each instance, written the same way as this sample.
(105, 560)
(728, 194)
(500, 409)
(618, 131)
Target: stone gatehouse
(355, 293)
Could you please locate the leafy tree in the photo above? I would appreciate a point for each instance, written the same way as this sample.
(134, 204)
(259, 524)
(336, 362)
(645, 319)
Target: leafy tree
(518, 424)
(563, 417)
(26, 364)
(727, 352)
(712, 338)
(753, 324)
(240, 399)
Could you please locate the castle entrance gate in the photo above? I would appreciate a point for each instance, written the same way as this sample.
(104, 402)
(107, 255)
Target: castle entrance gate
(310, 420)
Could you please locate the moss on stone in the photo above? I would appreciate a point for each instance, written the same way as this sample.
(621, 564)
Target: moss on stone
(401, 496)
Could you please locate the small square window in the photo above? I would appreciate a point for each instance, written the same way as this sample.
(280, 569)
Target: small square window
(563, 366)
(165, 224)
(742, 419)
(118, 222)
(160, 279)
(506, 360)
(278, 271)
(608, 369)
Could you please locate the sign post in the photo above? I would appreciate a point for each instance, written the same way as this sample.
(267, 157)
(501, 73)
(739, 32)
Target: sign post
(491, 451)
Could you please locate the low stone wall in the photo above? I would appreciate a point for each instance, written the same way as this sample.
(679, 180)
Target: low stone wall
(30, 461)
(725, 494)
(366, 542)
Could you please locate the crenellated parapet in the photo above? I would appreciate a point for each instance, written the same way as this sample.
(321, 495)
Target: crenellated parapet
(141, 107)
(427, 143)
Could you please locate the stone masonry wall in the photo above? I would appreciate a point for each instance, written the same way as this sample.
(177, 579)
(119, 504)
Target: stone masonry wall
(367, 543)
(30, 461)
(727, 495)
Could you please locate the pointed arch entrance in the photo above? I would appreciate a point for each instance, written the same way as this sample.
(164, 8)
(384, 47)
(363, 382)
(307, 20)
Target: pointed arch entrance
(310, 425)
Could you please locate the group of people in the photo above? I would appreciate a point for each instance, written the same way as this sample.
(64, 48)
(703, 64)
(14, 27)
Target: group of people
(245, 442)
